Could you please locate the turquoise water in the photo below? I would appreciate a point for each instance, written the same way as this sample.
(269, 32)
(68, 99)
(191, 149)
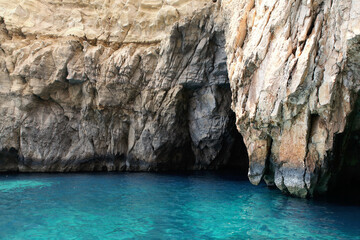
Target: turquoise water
(163, 206)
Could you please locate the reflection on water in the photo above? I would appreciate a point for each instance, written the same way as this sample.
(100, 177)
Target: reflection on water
(161, 206)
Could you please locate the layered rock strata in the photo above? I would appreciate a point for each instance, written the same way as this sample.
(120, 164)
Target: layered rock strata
(147, 85)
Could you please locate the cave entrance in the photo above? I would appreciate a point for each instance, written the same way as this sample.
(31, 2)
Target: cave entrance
(345, 167)
(9, 160)
(215, 142)
(237, 161)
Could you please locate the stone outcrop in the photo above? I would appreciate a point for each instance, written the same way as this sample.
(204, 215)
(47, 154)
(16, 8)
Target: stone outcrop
(294, 74)
(148, 85)
(156, 98)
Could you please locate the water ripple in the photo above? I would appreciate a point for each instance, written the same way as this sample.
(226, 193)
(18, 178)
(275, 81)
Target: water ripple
(160, 206)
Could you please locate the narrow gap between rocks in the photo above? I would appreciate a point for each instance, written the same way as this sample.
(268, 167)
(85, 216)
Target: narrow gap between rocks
(345, 177)
(238, 161)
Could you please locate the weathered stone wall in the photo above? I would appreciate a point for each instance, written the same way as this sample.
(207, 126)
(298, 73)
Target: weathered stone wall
(294, 74)
(72, 103)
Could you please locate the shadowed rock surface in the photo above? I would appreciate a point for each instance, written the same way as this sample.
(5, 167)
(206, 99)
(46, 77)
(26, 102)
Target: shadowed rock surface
(74, 105)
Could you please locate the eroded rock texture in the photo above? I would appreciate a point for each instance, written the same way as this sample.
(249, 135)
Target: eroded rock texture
(77, 102)
(147, 85)
(294, 74)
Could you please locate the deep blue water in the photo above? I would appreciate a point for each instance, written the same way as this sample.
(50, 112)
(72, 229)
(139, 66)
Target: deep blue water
(163, 206)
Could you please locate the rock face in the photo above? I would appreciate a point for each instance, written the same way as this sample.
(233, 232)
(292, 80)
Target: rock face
(87, 89)
(294, 73)
(148, 85)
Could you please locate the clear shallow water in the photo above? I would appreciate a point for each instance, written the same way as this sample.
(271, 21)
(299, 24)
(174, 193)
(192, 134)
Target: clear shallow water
(162, 206)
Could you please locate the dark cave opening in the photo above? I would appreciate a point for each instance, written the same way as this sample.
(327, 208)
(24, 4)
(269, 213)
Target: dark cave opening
(230, 149)
(9, 160)
(345, 165)
(238, 159)
(344, 162)
(215, 141)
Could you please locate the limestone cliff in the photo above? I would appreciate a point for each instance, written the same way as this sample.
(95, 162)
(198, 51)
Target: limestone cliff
(294, 69)
(115, 85)
(148, 85)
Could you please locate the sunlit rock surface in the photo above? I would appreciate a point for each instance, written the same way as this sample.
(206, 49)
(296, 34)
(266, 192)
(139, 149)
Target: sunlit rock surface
(148, 85)
(294, 71)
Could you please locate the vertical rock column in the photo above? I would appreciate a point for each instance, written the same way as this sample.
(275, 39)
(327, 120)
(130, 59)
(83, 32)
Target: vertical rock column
(293, 81)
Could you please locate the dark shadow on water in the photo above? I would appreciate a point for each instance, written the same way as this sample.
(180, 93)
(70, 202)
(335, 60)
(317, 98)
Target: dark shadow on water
(344, 198)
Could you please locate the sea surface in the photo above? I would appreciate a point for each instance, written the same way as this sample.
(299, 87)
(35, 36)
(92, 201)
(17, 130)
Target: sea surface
(163, 206)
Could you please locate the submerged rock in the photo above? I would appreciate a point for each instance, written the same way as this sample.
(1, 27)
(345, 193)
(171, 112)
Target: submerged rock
(148, 85)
